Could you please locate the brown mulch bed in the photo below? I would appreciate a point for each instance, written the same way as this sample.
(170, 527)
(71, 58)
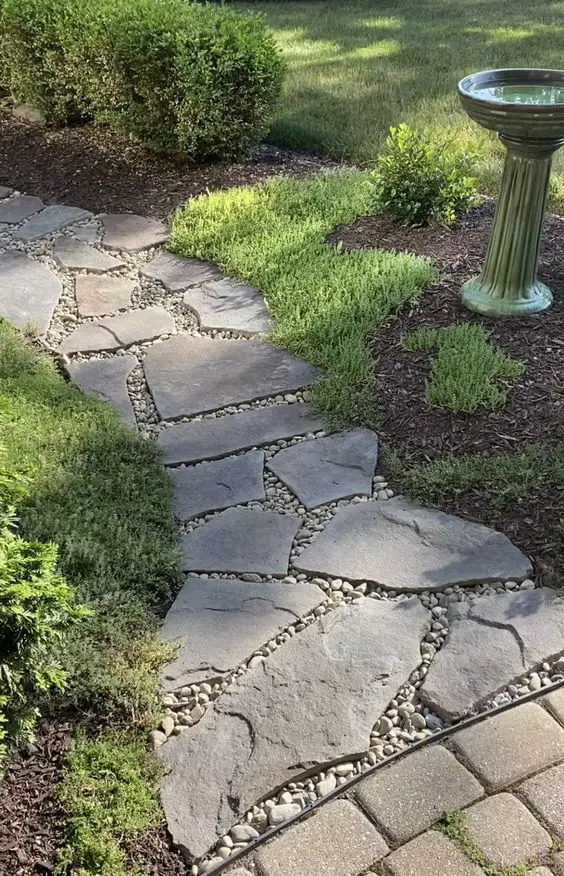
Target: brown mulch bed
(535, 406)
(31, 818)
(101, 171)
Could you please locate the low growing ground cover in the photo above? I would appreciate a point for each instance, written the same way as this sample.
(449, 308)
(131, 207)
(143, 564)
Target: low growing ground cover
(356, 68)
(99, 492)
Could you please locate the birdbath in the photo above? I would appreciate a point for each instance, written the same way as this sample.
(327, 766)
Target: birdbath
(526, 109)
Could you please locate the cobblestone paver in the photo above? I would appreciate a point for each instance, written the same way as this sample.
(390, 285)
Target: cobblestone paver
(298, 643)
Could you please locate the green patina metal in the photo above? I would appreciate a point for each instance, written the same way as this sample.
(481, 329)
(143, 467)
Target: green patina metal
(526, 109)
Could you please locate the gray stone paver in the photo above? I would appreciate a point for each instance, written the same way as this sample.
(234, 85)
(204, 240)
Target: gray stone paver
(16, 209)
(221, 622)
(212, 438)
(79, 256)
(405, 546)
(107, 379)
(177, 273)
(555, 704)
(328, 469)
(214, 486)
(134, 327)
(191, 375)
(411, 795)
(545, 795)
(50, 220)
(29, 291)
(507, 635)
(97, 296)
(314, 699)
(240, 540)
(505, 831)
(131, 232)
(229, 306)
(337, 841)
(431, 854)
(509, 747)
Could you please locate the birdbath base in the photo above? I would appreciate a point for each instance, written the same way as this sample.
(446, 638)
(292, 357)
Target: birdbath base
(479, 299)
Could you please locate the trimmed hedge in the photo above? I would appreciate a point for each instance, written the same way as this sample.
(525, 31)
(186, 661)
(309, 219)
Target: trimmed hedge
(189, 80)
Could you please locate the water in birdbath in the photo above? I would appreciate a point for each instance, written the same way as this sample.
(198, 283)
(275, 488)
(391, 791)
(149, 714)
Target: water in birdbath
(521, 94)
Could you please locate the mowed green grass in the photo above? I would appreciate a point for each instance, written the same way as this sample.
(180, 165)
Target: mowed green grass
(356, 67)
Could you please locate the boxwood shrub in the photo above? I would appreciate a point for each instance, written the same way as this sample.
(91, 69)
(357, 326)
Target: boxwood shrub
(190, 80)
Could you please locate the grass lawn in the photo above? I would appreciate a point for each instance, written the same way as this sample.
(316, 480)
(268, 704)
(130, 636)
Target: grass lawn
(356, 67)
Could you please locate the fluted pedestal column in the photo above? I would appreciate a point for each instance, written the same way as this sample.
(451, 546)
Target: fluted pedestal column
(508, 284)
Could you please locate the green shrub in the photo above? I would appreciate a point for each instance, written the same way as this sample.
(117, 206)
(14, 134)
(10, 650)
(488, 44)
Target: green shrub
(37, 609)
(190, 80)
(421, 177)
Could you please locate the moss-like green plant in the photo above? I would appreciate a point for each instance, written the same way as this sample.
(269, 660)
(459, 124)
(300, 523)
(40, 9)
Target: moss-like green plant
(469, 371)
(455, 827)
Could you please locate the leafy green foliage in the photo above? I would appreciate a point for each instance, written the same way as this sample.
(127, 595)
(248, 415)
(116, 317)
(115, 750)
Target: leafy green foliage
(37, 611)
(186, 79)
(422, 177)
(325, 302)
(469, 371)
(89, 480)
(108, 793)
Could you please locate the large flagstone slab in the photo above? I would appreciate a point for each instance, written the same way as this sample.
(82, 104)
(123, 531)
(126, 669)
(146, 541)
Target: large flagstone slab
(219, 623)
(177, 273)
(241, 540)
(50, 220)
(328, 469)
(29, 291)
(131, 232)
(191, 375)
(96, 296)
(19, 208)
(212, 438)
(107, 379)
(490, 645)
(134, 327)
(405, 546)
(311, 701)
(75, 255)
(216, 485)
(226, 305)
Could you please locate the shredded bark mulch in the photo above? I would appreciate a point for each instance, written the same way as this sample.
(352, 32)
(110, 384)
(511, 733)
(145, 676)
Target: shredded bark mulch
(99, 170)
(535, 404)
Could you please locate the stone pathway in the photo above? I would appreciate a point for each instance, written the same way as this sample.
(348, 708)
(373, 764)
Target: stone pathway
(324, 623)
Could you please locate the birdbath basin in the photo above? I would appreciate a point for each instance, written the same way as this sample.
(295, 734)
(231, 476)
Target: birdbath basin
(526, 109)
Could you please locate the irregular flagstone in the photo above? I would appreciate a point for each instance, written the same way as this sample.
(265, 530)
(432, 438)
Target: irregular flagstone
(75, 255)
(213, 486)
(96, 296)
(240, 540)
(219, 623)
(229, 306)
(209, 438)
(5, 192)
(190, 375)
(127, 231)
(491, 644)
(311, 701)
(90, 232)
(50, 220)
(107, 379)
(177, 273)
(135, 327)
(404, 546)
(19, 208)
(29, 291)
(327, 469)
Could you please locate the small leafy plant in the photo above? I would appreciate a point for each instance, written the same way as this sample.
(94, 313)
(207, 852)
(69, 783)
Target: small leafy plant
(37, 609)
(421, 177)
(468, 371)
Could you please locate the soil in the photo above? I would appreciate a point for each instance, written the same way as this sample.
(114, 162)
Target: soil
(535, 405)
(99, 170)
(32, 819)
